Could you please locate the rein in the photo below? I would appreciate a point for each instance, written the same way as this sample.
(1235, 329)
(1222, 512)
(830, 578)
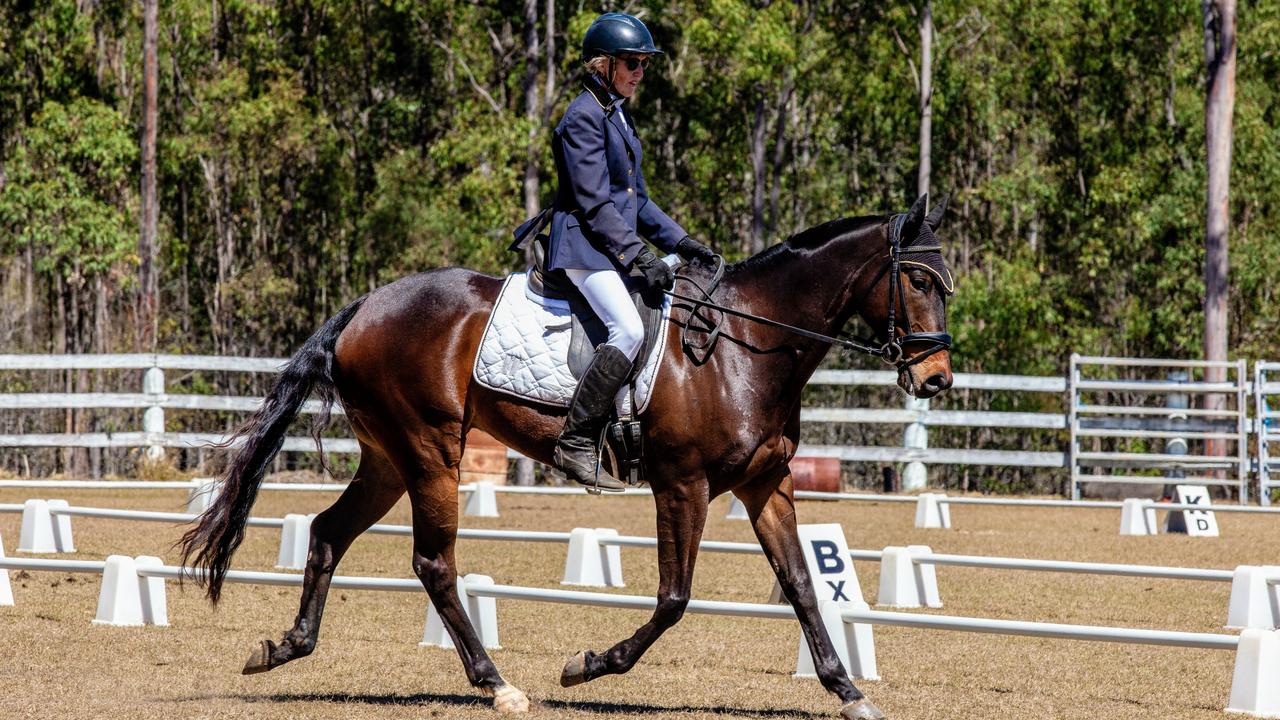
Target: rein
(891, 352)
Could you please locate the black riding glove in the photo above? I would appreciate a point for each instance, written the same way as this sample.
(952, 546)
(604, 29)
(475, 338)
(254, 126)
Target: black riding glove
(657, 274)
(691, 249)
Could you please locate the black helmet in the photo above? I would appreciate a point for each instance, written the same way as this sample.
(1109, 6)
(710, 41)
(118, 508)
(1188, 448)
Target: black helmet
(614, 33)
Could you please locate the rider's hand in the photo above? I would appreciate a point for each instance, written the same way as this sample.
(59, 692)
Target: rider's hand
(691, 249)
(657, 274)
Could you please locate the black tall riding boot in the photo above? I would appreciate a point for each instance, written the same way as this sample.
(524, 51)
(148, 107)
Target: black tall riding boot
(577, 451)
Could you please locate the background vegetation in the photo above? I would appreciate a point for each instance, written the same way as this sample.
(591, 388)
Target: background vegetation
(312, 150)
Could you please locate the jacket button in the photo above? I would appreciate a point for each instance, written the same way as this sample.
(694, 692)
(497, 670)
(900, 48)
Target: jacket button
(631, 171)
(630, 190)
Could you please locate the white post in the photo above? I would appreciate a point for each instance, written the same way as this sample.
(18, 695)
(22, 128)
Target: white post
(926, 577)
(853, 642)
(1253, 600)
(1254, 690)
(118, 599)
(932, 511)
(61, 525)
(611, 558)
(915, 437)
(153, 417)
(203, 491)
(584, 564)
(482, 612)
(295, 541)
(37, 528)
(898, 579)
(155, 609)
(1137, 517)
(6, 592)
(737, 511)
(483, 501)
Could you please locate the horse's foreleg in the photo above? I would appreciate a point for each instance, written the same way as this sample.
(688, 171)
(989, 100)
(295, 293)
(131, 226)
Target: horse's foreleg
(773, 514)
(681, 518)
(370, 495)
(435, 525)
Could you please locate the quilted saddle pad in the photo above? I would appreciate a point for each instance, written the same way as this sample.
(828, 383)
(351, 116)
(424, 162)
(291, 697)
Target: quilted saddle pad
(525, 350)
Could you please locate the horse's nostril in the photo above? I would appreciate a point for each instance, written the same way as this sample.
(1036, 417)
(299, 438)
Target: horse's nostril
(938, 382)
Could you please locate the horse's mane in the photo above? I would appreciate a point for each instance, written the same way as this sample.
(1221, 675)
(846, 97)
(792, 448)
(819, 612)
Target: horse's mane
(815, 236)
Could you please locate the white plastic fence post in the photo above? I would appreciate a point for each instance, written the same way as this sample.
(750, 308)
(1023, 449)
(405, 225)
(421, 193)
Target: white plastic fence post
(931, 512)
(118, 600)
(1137, 517)
(584, 563)
(203, 491)
(155, 608)
(853, 643)
(611, 559)
(6, 591)
(926, 577)
(295, 540)
(737, 511)
(1254, 603)
(915, 436)
(482, 611)
(1254, 690)
(37, 528)
(153, 416)
(61, 526)
(898, 579)
(483, 501)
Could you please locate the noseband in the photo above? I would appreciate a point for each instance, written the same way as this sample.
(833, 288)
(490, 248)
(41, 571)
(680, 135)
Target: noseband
(891, 351)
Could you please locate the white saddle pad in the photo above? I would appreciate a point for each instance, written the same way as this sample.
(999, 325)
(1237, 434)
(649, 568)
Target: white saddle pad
(525, 350)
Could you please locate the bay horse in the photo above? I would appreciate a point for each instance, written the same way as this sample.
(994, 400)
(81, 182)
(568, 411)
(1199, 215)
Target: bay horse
(399, 359)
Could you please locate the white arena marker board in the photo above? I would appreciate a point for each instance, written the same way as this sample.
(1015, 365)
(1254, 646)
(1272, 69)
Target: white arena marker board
(826, 553)
(1196, 523)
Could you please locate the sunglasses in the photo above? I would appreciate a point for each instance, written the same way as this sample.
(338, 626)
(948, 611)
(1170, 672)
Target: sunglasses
(634, 64)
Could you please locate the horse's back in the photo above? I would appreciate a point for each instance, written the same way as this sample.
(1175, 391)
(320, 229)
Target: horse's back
(411, 345)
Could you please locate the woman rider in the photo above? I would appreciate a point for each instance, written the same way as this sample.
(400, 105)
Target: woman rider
(600, 209)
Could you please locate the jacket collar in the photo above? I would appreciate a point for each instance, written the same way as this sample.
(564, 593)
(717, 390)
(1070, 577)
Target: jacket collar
(602, 95)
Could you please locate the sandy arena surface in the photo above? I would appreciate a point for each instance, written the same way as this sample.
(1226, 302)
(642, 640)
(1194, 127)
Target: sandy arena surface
(368, 663)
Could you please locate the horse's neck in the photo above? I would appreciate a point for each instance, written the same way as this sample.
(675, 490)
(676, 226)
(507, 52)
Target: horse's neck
(813, 289)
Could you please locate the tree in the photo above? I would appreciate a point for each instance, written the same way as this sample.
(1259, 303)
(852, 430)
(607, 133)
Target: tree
(1220, 64)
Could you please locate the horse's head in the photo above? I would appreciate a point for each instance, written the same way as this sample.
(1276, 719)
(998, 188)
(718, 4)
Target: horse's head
(906, 302)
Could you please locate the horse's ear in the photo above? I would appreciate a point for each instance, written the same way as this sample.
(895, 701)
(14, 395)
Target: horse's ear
(915, 216)
(934, 218)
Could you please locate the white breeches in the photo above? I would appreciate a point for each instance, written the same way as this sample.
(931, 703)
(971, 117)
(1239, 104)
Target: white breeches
(607, 294)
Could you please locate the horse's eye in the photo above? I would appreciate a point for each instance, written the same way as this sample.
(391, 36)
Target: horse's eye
(921, 282)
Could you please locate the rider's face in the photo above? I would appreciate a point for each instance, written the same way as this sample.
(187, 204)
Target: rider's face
(625, 80)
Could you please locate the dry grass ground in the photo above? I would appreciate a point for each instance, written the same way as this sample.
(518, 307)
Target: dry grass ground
(368, 665)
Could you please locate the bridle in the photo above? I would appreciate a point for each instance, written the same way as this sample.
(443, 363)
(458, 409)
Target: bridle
(892, 351)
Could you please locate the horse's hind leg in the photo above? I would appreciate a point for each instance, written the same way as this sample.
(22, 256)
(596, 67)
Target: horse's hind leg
(372, 492)
(773, 514)
(435, 526)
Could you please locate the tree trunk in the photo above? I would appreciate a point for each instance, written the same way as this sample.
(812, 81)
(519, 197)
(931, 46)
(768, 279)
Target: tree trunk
(1220, 63)
(532, 107)
(758, 131)
(926, 98)
(148, 247)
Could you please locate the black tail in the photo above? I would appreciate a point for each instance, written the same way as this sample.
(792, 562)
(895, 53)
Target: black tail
(211, 543)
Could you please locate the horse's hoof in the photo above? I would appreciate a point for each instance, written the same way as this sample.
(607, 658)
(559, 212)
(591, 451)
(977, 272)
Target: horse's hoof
(259, 660)
(508, 700)
(575, 671)
(862, 709)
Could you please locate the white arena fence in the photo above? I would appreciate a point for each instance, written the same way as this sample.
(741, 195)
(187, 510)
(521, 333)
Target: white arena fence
(593, 558)
(133, 593)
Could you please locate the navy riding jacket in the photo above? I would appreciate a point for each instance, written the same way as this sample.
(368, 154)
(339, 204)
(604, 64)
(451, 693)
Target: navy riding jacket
(601, 206)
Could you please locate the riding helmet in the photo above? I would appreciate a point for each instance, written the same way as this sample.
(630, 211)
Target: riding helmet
(615, 33)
